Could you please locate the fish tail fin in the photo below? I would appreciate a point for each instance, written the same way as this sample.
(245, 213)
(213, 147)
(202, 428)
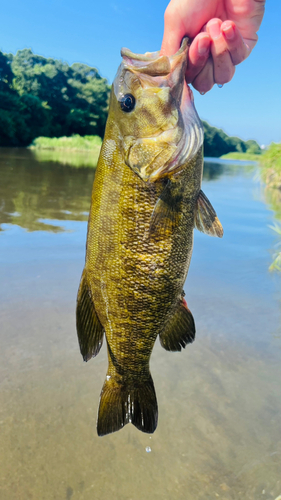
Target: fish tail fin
(120, 404)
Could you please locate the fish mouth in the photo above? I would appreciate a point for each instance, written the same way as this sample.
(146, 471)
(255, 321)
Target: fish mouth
(154, 64)
(178, 144)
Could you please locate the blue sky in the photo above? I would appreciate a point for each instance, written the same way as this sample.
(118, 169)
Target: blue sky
(93, 33)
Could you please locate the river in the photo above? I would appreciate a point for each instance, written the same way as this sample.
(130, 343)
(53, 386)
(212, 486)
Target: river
(219, 430)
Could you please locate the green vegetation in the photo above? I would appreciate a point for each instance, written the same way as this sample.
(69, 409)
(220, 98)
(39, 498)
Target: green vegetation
(218, 143)
(271, 175)
(271, 166)
(241, 156)
(75, 142)
(47, 97)
(60, 150)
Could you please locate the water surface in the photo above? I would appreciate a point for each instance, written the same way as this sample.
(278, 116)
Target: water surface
(219, 431)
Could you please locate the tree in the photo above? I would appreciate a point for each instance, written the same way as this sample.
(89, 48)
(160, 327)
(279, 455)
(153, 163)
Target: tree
(6, 74)
(77, 96)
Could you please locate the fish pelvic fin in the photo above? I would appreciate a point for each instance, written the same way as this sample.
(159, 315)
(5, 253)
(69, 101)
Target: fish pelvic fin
(180, 329)
(206, 219)
(89, 328)
(121, 404)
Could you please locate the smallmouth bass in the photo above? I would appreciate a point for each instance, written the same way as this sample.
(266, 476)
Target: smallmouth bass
(146, 201)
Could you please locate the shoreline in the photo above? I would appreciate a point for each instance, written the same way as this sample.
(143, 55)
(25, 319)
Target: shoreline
(241, 157)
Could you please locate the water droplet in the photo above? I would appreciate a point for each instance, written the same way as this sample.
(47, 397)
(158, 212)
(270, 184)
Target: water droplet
(202, 93)
(148, 449)
(220, 85)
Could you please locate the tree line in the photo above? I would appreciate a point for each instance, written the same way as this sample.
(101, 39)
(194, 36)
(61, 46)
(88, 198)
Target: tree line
(218, 143)
(46, 97)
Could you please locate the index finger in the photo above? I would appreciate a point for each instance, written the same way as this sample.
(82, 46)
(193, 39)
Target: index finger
(173, 33)
(198, 55)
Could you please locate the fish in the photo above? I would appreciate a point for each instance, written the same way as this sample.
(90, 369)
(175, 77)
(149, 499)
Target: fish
(146, 202)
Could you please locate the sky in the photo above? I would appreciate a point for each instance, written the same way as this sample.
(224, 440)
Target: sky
(93, 32)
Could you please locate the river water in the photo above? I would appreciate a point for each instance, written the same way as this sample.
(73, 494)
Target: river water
(219, 430)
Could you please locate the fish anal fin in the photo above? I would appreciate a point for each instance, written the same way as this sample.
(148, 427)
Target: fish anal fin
(89, 328)
(124, 402)
(206, 219)
(180, 329)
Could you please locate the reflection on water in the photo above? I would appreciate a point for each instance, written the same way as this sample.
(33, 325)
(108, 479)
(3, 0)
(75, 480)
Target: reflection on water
(32, 193)
(219, 431)
(214, 168)
(273, 198)
(67, 157)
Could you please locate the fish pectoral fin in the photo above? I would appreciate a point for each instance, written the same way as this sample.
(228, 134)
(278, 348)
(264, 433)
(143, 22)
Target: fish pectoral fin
(121, 404)
(206, 219)
(89, 328)
(180, 329)
(164, 218)
(166, 214)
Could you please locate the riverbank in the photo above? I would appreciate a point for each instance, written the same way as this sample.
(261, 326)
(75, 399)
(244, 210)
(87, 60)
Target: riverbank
(271, 175)
(61, 149)
(241, 156)
(74, 143)
(271, 166)
(269, 161)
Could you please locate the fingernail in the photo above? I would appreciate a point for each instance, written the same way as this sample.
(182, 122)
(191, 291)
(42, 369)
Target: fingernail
(203, 46)
(229, 32)
(214, 29)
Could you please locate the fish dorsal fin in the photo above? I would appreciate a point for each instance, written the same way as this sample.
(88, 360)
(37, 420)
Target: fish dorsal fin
(89, 328)
(180, 329)
(206, 219)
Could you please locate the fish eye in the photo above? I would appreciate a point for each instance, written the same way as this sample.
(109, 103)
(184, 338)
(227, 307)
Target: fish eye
(127, 103)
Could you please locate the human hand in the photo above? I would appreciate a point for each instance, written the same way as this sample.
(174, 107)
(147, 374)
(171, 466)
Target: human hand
(224, 33)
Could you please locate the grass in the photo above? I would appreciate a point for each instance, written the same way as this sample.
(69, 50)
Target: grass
(241, 156)
(75, 143)
(61, 149)
(271, 175)
(271, 166)
(269, 160)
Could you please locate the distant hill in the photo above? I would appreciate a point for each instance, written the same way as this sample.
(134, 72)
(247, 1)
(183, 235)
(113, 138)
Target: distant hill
(46, 97)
